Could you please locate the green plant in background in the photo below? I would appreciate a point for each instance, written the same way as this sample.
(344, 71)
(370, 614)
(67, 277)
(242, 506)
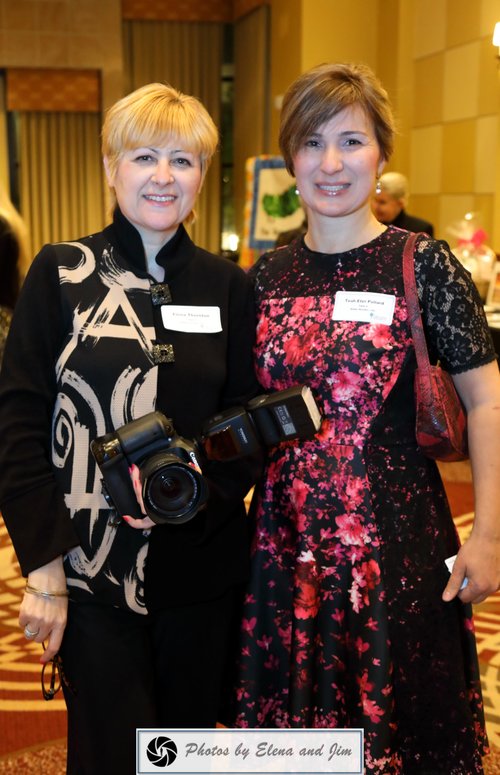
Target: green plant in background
(281, 205)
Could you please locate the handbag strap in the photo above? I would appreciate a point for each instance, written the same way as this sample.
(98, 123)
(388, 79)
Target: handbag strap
(413, 306)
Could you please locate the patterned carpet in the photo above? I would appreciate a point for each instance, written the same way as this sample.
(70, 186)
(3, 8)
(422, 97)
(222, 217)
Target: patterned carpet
(32, 730)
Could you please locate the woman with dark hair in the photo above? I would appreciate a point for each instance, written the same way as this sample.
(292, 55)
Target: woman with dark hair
(351, 618)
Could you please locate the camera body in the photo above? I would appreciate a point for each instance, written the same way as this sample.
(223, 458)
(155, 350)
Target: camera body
(173, 491)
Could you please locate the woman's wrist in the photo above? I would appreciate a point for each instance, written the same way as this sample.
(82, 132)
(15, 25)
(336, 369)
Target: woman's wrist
(31, 590)
(48, 580)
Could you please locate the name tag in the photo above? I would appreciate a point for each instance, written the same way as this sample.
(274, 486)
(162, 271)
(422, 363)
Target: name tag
(191, 320)
(364, 307)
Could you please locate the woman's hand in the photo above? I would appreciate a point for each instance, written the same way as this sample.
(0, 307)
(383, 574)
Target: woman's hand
(479, 557)
(138, 524)
(479, 561)
(46, 616)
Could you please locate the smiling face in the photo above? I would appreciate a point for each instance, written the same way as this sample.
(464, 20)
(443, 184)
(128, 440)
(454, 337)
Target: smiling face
(336, 166)
(156, 187)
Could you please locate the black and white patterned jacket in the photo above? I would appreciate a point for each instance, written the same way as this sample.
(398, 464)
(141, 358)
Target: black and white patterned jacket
(79, 362)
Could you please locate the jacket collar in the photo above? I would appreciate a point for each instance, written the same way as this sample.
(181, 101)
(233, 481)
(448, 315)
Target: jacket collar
(126, 240)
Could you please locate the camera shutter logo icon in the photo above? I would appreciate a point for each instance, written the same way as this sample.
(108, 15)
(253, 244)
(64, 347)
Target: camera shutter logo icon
(161, 751)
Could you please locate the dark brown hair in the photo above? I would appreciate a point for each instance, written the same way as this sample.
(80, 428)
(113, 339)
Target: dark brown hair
(318, 95)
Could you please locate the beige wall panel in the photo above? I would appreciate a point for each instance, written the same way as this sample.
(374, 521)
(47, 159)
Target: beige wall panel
(56, 47)
(251, 123)
(53, 15)
(486, 143)
(22, 14)
(65, 33)
(462, 22)
(452, 209)
(388, 44)
(85, 47)
(489, 102)
(338, 32)
(458, 157)
(285, 56)
(489, 82)
(429, 31)
(425, 160)
(496, 223)
(402, 81)
(15, 45)
(424, 206)
(484, 206)
(489, 14)
(84, 15)
(461, 82)
(428, 91)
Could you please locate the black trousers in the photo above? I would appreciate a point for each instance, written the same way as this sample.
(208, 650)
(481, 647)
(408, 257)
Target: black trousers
(126, 670)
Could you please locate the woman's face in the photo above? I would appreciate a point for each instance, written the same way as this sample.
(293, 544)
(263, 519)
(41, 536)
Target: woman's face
(337, 165)
(156, 187)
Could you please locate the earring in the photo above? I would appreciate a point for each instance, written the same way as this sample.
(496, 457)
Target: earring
(378, 187)
(297, 192)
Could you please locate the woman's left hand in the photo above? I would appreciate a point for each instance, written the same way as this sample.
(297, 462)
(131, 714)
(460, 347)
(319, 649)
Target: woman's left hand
(479, 561)
(138, 524)
(43, 618)
(479, 558)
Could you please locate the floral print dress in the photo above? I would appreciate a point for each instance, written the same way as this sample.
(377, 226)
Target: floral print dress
(344, 625)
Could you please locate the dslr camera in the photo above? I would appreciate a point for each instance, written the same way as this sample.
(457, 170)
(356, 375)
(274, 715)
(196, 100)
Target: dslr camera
(173, 490)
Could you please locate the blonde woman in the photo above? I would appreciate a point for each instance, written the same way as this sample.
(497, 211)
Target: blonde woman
(13, 262)
(143, 634)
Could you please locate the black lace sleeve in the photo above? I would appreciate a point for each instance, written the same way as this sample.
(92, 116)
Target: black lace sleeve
(455, 324)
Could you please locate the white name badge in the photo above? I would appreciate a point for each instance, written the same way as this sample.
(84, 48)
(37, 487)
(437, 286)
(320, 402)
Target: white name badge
(364, 307)
(191, 320)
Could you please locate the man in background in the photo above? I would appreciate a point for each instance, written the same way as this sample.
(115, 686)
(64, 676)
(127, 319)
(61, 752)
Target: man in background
(390, 200)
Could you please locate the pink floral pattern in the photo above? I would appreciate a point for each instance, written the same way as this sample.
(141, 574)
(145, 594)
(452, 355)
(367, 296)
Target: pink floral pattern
(344, 624)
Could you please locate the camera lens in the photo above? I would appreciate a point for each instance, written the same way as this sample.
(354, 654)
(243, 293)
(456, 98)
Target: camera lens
(168, 486)
(172, 490)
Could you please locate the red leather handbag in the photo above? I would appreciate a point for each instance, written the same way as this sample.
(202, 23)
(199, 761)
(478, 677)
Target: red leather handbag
(441, 425)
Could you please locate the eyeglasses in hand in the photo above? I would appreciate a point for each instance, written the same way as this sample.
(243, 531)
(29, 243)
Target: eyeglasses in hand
(53, 677)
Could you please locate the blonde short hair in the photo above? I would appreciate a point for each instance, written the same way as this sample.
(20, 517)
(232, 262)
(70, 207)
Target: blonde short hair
(16, 225)
(318, 95)
(153, 114)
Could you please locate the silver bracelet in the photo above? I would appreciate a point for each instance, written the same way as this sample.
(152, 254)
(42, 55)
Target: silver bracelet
(41, 593)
